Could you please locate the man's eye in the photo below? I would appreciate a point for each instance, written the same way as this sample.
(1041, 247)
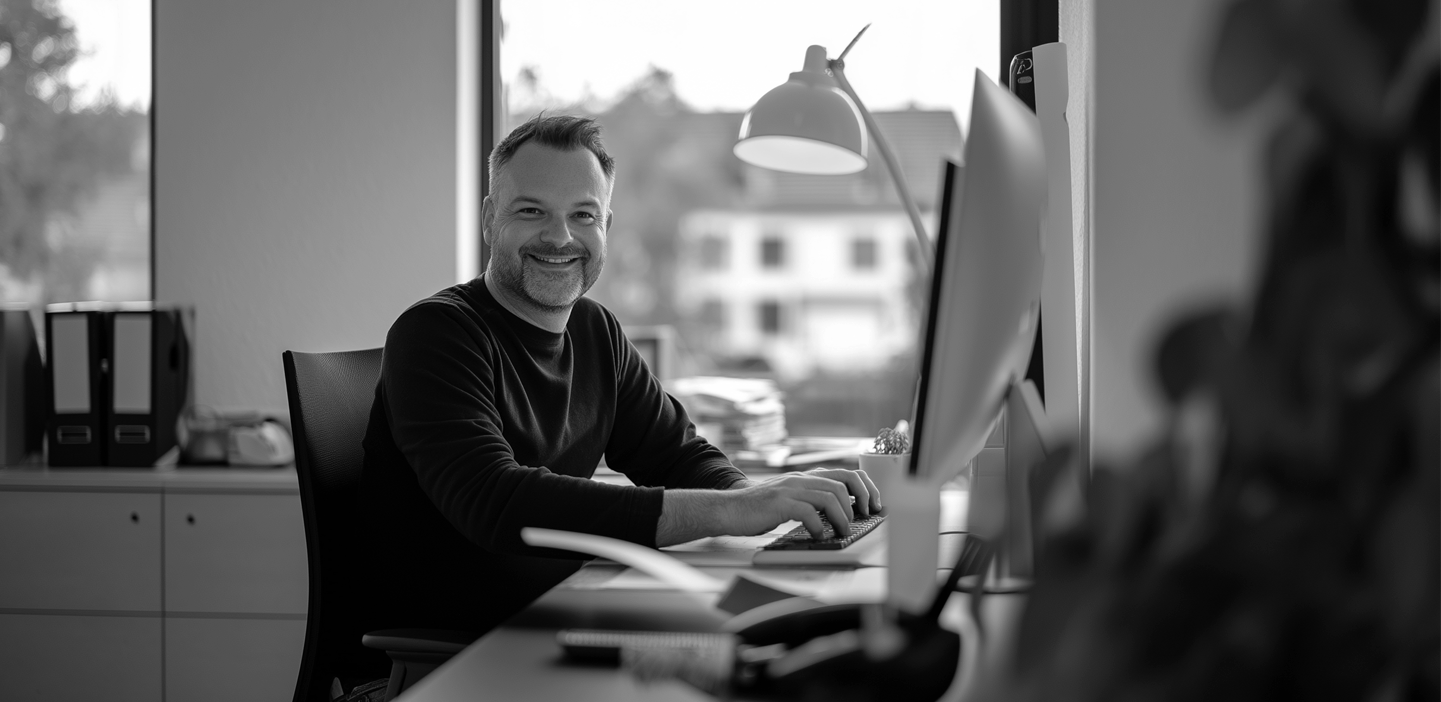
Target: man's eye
(586, 215)
(530, 210)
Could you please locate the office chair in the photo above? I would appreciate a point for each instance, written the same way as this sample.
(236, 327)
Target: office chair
(330, 398)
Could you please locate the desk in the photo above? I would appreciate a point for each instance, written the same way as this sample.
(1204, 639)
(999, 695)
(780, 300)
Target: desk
(521, 661)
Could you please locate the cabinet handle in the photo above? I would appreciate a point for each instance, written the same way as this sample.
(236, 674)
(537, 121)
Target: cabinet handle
(189, 519)
(134, 518)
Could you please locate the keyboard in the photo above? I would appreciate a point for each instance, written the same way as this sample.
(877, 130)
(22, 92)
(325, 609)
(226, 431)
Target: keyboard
(800, 539)
(603, 646)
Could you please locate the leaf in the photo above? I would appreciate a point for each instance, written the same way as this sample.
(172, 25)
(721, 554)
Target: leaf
(1248, 58)
(1393, 25)
(1339, 62)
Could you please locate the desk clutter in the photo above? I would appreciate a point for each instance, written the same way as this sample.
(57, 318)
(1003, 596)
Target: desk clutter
(744, 417)
(785, 639)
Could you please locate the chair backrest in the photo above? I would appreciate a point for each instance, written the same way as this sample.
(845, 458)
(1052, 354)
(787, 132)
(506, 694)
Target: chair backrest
(330, 402)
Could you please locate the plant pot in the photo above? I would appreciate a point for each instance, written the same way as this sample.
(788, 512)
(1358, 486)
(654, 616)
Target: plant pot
(885, 469)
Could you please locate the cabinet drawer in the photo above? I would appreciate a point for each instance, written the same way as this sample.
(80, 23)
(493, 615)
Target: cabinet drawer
(80, 551)
(245, 660)
(235, 554)
(65, 657)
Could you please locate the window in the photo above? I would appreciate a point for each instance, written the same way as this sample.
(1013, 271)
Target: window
(769, 315)
(863, 253)
(718, 242)
(713, 315)
(75, 92)
(714, 252)
(773, 252)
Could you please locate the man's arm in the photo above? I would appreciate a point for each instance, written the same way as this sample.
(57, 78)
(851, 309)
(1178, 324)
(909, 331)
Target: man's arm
(752, 507)
(652, 439)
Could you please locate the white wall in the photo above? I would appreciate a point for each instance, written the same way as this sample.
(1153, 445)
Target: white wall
(1176, 193)
(305, 176)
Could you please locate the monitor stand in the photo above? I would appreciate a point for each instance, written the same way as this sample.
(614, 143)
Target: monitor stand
(999, 511)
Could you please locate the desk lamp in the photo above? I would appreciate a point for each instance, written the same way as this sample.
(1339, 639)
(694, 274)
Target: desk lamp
(808, 125)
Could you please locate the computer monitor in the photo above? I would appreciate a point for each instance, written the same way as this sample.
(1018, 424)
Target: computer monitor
(986, 287)
(981, 324)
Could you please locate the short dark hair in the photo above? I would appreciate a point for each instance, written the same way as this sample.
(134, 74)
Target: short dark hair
(563, 132)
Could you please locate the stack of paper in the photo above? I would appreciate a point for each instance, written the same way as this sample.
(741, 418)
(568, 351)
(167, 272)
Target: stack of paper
(745, 417)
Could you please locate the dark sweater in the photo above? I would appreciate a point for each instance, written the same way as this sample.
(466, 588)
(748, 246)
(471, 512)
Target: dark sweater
(483, 424)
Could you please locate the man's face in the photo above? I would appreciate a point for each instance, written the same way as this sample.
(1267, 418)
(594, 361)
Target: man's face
(546, 225)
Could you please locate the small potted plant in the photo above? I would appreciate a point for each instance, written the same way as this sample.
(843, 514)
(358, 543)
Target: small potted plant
(890, 455)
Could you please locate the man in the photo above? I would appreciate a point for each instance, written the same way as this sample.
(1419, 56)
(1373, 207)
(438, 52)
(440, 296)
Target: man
(498, 398)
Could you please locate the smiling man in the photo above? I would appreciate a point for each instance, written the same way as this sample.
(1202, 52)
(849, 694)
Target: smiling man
(498, 398)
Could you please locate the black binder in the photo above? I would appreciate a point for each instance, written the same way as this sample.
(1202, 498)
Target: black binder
(75, 377)
(22, 388)
(149, 371)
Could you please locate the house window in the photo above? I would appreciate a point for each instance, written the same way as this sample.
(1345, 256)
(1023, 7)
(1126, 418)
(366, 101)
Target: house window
(714, 252)
(863, 253)
(769, 313)
(773, 251)
(713, 315)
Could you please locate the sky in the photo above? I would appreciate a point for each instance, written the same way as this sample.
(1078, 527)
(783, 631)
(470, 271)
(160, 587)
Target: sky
(114, 38)
(725, 55)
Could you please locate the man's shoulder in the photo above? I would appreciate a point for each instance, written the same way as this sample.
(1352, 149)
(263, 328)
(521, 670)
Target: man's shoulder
(443, 312)
(591, 315)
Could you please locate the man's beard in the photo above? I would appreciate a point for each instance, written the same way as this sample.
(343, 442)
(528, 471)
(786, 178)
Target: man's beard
(551, 291)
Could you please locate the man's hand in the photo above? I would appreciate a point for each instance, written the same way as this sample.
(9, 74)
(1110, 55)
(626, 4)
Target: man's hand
(752, 508)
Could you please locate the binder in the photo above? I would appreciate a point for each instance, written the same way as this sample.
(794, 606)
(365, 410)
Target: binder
(75, 375)
(22, 388)
(148, 356)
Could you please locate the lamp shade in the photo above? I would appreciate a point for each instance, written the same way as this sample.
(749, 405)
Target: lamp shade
(805, 125)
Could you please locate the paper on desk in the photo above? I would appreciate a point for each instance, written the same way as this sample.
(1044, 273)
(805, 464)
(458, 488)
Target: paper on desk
(651, 562)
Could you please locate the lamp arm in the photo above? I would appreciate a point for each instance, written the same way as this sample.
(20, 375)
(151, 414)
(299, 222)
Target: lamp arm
(897, 177)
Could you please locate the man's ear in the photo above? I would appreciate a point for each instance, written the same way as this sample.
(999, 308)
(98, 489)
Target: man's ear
(609, 219)
(487, 219)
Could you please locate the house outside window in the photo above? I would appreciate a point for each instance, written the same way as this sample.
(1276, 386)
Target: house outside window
(713, 316)
(714, 253)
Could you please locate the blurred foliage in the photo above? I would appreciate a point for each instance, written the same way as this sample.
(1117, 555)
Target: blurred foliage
(670, 168)
(53, 155)
(1282, 540)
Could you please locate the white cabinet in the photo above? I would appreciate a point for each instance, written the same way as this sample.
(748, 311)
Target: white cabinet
(148, 585)
(78, 657)
(80, 551)
(234, 554)
(239, 660)
(234, 606)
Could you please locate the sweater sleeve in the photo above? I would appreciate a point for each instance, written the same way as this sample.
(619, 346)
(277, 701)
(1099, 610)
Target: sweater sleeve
(439, 383)
(653, 441)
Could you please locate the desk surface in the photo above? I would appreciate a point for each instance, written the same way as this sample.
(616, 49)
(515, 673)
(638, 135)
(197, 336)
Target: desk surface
(521, 660)
(170, 479)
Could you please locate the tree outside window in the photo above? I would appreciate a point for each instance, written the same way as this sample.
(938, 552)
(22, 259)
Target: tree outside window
(74, 150)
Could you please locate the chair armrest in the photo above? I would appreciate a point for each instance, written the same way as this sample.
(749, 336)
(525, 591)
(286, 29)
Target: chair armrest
(441, 641)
